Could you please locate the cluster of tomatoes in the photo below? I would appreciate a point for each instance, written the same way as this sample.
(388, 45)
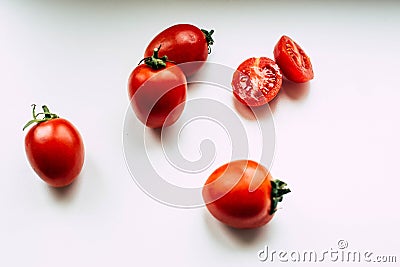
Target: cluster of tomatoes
(242, 193)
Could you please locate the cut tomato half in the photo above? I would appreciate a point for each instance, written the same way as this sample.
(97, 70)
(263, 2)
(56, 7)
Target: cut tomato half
(293, 61)
(256, 81)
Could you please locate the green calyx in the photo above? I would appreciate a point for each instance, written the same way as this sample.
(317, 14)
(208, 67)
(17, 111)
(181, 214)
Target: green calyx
(278, 190)
(46, 115)
(209, 39)
(155, 62)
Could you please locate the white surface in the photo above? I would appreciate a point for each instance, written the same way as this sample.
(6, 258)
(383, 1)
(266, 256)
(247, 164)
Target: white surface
(337, 137)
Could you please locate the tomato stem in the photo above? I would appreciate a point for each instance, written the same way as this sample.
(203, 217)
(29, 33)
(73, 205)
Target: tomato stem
(155, 62)
(209, 39)
(47, 116)
(278, 190)
(47, 113)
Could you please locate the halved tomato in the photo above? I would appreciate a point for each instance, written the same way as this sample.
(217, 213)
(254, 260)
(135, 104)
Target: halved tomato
(293, 61)
(256, 81)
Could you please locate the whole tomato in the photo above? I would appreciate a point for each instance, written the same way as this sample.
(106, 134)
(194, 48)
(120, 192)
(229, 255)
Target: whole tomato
(54, 149)
(157, 90)
(242, 194)
(183, 43)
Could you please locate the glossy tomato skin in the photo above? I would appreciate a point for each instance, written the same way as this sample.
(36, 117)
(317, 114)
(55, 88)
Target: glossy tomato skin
(55, 151)
(239, 194)
(256, 81)
(181, 43)
(157, 95)
(293, 61)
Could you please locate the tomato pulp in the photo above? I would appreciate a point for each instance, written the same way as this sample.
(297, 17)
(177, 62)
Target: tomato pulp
(293, 61)
(256, 81)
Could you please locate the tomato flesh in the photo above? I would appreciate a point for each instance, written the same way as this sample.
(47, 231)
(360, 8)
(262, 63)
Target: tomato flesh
(256, 81)
(239, 194)
(55, 151)
(293, 61)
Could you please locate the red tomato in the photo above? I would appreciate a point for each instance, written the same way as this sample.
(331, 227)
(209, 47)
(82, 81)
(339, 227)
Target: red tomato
(54, 149)
(242, 194)
(183, 43)
(256, 81)
(293, 61)
(157, 90)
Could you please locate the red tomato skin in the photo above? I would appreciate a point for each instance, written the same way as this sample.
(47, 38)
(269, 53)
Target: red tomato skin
(55, 151)
(238, 204)
(293, 61)
(161, 98)
(247, 69)
(181, 43)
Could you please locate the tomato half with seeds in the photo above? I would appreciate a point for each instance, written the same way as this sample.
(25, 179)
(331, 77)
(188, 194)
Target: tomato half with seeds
(54, 148)
(243, 194)
(183, 43)
(293, 61)
(256, 81)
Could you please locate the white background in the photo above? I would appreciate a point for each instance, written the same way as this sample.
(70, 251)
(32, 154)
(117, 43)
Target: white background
(337, 137)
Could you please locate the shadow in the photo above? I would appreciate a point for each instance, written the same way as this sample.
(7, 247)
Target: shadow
(66, 193)
(295, 91)
(274, 102)
(155, 133)
(83, 3)
(191, 86)
(251, 113)
(194, 78)
(248, 236)
(236, 238)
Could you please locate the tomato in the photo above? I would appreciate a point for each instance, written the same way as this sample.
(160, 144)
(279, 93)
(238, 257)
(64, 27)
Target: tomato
(293, 61)
(256, 81)
(242, 194)
(157, 90)
(54, 149)
(183, 43)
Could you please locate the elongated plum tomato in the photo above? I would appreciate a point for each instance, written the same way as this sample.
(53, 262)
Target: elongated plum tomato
(54, 148)
(256, 81)
(157, 90)
(293, 61)
(183, 43)
(242, 194)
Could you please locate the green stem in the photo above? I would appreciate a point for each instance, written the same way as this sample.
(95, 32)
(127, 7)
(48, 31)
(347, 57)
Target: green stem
(33, 110)
(47, 116)
(209, 39)
(46, 111)
(278, 190)
(155, 62)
